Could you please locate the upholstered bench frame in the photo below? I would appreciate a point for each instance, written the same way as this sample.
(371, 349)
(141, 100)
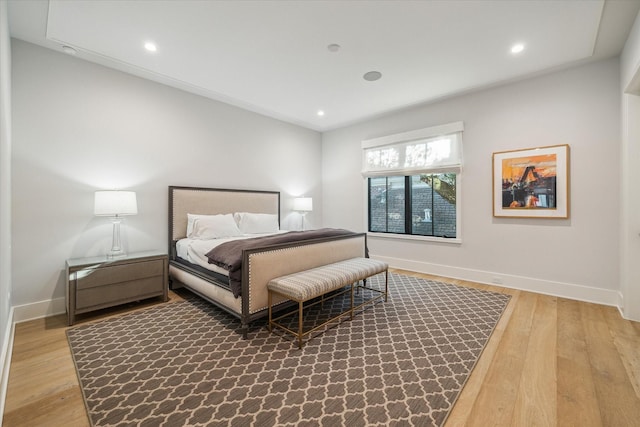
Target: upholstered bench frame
(317, 282)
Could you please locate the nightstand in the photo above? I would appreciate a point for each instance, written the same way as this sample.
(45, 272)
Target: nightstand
(101, 282)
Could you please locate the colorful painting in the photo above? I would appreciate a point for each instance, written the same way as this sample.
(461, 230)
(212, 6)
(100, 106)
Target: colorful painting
(531, 182)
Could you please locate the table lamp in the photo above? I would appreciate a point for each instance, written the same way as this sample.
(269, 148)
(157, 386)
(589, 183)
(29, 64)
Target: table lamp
(303, 205)
(115, 204)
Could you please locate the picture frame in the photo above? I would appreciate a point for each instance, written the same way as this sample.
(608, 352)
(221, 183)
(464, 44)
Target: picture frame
(531, 183)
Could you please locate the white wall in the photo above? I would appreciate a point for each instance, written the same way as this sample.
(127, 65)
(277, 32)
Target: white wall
(630, 175)
(5, 201)
(577, 257)
(79, 127)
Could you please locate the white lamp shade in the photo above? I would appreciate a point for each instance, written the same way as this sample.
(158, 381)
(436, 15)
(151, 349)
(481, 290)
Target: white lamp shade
(115, 203)
(303, 204)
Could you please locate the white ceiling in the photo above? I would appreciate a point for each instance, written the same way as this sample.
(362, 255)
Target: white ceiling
(271, 57)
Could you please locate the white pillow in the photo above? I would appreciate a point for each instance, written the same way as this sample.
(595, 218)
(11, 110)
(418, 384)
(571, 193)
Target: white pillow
(191, 218)
(214, 227)
(257, 223)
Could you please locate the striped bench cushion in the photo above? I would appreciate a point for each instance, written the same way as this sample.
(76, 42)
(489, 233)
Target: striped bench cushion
(318, 281)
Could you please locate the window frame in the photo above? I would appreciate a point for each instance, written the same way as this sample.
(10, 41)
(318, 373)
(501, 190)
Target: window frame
(418, 237)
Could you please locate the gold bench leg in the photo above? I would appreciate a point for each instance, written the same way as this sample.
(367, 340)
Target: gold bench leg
(351, 308)
(300, 325)
(269, 304)
(386, 285)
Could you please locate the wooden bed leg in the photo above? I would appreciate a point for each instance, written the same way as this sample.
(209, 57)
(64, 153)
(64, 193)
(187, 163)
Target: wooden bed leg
(245, 331)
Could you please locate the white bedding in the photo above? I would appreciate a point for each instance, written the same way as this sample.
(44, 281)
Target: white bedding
(195, 250)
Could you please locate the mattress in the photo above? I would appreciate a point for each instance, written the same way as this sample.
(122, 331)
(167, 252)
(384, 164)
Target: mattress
(195, 250)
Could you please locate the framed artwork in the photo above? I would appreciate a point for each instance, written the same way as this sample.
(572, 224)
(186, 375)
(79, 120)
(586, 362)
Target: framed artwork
(531, 183)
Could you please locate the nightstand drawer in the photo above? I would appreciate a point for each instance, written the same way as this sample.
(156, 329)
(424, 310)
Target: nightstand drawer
(90, 278)
(107, 295)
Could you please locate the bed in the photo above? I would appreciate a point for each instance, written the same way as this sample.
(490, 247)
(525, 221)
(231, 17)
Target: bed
(243, 292)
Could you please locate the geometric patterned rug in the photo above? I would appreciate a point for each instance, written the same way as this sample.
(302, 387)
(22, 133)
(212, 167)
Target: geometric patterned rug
(397, 363)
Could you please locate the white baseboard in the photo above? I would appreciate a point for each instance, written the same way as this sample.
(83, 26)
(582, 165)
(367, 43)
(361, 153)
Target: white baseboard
(40, 309)
(573, 291)
(5, 360)
(17, 314)
(547, 287)
(621, 305)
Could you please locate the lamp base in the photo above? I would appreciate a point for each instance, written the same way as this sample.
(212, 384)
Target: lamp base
(116, 248)
(116, 254)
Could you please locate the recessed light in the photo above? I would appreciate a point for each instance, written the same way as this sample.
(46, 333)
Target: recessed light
(372, 76)
(517, 48)
(320, 113)
(151, 47)
(333, 47)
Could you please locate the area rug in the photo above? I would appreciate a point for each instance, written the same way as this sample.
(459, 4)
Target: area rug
(397, 363)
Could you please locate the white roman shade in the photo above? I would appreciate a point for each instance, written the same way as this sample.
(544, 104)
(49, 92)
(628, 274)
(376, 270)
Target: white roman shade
(436, 149)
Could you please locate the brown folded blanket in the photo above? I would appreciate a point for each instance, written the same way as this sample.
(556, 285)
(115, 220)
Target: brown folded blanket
(229, 255)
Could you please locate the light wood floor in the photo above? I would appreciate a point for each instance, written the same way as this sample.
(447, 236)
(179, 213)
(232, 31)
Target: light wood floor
(550, 362)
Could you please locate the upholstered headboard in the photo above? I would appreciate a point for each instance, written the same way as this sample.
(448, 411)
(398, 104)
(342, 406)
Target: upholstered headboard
(212, 201)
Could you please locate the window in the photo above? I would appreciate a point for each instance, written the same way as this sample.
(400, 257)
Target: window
(413, 182)
(423, 205)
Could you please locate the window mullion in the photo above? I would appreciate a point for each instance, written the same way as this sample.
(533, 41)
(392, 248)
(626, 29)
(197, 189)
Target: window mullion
(433, 210)
(408, 216)
(369, 206)
(386, 204)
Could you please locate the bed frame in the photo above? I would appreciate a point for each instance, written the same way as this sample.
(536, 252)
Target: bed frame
(259, 265)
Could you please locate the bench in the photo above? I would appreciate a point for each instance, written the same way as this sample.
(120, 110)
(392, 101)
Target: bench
(317, 282)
